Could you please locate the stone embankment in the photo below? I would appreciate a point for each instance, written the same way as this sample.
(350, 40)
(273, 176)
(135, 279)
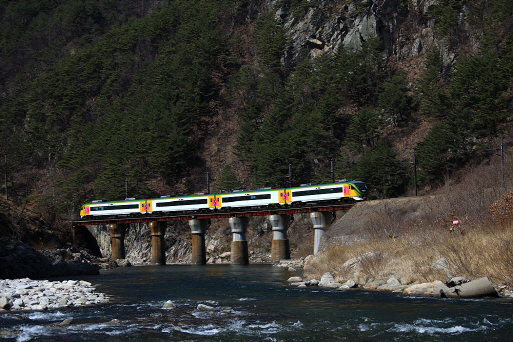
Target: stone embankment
(27, 294)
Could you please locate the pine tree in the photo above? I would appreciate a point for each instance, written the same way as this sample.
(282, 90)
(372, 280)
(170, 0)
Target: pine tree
(393, 98)
(227, 180)
(381, 170)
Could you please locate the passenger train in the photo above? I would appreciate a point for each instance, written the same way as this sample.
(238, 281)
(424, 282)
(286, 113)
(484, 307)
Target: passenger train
(306, 194)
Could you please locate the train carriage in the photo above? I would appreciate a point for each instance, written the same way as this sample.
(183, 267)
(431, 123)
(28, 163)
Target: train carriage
(328, 192)
(127, 207)
(195, 202)
(256, 198)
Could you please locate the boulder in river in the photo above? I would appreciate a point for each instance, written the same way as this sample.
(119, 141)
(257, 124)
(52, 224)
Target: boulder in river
(203, 307)
(463, 288)
(169, 305)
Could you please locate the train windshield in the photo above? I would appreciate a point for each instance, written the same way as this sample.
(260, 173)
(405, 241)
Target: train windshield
(360, 185)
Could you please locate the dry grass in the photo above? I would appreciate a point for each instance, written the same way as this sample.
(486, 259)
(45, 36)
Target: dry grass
(410, 244)
(410, 258)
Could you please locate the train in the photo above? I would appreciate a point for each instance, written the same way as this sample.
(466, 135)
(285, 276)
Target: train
(340, 191)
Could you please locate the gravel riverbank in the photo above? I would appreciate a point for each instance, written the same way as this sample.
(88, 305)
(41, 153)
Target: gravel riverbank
(28, 294)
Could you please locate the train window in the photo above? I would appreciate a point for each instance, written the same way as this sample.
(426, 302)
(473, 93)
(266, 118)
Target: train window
(116, 207)
(245, 198)
(361, 186)
(182, 202)
(318, 192)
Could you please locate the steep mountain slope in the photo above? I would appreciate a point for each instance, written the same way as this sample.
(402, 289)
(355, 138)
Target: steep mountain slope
(103, 99)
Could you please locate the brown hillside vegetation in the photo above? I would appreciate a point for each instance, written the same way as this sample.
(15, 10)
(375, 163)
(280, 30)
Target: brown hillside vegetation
(413, 233)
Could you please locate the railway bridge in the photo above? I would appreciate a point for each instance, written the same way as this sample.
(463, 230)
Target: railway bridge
(198, 221)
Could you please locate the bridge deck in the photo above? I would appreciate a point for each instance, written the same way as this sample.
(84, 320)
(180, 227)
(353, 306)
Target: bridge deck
(215, 214)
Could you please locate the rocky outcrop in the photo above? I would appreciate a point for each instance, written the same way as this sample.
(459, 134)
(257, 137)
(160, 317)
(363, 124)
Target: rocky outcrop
(18, 260)
(405, 28)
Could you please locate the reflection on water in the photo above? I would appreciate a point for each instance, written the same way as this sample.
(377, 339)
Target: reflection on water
(254, 303)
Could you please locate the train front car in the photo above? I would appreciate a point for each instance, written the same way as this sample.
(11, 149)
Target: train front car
(358, 191)
(247, 198)
(198, 202)
(127, 207)
(335, 192)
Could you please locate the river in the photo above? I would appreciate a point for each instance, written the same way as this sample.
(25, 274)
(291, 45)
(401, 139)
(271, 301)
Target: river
(254, 303)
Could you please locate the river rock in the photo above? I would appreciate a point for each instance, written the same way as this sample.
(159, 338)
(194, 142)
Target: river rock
(462, 288)
(424, 289)
(313, 282)
(4, 303)
(350, 283)
(374, 285)
(392, 285)
(203, 307)
(294, 280)
(67, 321)
(326, 279)
(169, 305)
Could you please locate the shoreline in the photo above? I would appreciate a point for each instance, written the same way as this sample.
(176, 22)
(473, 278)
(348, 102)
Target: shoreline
(454, 287)
(450, 289)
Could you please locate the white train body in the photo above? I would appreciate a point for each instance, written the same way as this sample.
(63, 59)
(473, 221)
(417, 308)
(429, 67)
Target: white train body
(306, 194)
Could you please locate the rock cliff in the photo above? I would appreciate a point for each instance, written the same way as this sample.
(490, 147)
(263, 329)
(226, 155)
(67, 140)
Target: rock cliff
(404, 27)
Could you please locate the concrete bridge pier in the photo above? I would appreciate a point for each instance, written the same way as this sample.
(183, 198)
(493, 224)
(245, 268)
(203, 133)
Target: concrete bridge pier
(240, 254)
(158, 245)
(117, 240)
(198, 228)
(280, 244)
(321, 221)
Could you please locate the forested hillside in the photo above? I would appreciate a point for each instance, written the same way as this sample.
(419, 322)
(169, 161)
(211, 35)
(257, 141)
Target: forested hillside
(152, 95)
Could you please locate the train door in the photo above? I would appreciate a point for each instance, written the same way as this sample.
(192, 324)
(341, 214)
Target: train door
(284, 196)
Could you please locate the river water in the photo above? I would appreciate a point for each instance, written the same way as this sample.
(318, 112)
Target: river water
(254, 303)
